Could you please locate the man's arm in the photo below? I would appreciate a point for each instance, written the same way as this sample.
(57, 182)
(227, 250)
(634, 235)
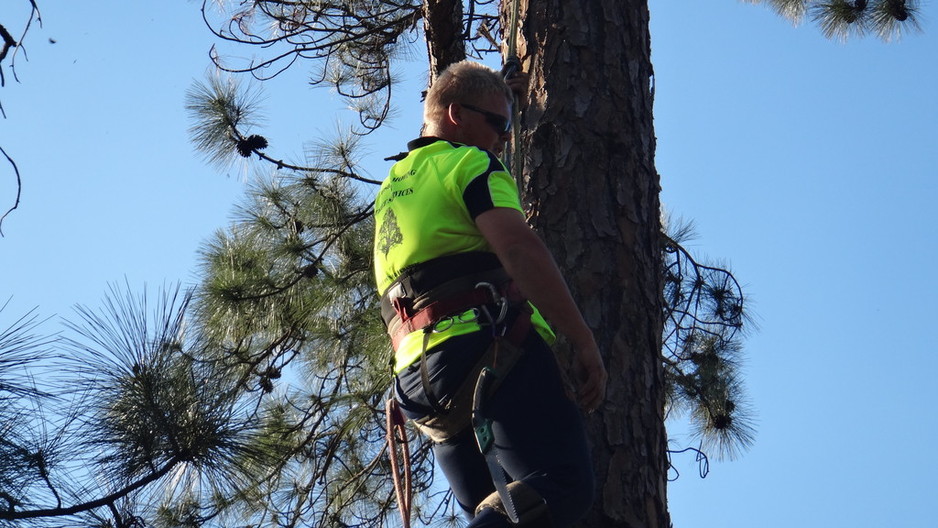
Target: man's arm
(530, 264)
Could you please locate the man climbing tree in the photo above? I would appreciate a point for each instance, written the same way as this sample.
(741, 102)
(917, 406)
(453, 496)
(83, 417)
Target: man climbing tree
(455, 261)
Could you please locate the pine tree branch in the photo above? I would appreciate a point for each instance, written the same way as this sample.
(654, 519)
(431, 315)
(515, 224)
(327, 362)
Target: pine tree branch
(283, 165)
(323, 42)
(11, 515)
(33, 15)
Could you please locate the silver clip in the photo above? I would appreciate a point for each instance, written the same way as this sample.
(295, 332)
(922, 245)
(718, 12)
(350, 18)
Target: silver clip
(445, 324)
(499, 299)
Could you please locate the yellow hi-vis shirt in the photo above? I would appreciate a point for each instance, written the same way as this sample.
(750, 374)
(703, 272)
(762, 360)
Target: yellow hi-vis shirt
(426, 208)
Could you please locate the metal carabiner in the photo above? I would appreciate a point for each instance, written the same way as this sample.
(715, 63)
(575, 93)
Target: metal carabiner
(442, 325)
(499, 299)
(468, 316)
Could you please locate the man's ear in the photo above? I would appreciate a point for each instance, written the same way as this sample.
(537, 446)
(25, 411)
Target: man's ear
(454, 114)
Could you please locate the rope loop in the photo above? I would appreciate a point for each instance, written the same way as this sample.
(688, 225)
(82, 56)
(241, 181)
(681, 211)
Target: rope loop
(398, 447)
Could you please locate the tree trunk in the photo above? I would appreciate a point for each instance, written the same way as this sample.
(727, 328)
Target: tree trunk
(445, 34)
(591, 189)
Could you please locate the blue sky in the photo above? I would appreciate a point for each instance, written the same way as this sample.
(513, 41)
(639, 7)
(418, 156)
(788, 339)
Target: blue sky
(806, 164)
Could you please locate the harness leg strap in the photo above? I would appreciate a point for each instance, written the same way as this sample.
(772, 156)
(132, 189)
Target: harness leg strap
(439, 407)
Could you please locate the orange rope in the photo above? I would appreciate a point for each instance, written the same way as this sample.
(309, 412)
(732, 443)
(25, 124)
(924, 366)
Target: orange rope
(397, 441)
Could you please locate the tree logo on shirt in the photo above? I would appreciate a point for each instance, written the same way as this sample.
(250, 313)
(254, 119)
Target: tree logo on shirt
(390, 233)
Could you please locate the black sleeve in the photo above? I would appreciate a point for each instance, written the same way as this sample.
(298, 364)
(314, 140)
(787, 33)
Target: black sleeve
(477, 196)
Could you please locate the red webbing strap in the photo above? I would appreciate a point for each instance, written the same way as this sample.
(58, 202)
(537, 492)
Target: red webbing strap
(436, 311)
(397, 435)
(519, 329)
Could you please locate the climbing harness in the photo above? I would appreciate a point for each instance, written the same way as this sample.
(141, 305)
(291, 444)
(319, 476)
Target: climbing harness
(437, 315)
(435, 294)
(429, 298)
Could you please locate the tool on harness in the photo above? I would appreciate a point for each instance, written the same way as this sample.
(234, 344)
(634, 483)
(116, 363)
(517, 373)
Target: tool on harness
(434, 295)
(517, 500)
(466, 404)
(485, 438)
(531, 507)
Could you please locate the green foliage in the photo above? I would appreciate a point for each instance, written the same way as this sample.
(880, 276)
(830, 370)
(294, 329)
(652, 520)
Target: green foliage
(22, 348)
(223, 109)
(21, 458)
(159, 407)
(289, 294)
(704, 324)
(351, 45)
(838, 19)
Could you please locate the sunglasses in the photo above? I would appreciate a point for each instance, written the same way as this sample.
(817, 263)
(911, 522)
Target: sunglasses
(499, 123)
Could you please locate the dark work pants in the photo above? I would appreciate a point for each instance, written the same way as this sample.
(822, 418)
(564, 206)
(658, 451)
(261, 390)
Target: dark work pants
(539, 432)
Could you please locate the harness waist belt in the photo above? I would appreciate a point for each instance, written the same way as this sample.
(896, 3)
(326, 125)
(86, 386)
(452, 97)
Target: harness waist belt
(408, 305)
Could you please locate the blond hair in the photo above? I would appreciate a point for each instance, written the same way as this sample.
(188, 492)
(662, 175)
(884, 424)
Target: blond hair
(462, 82)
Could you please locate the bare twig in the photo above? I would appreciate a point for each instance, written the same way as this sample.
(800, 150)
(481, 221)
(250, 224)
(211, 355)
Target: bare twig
(10, 43)
(19, 188)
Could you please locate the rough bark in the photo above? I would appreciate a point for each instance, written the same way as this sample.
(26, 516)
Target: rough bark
(591, 188)
(443, 25)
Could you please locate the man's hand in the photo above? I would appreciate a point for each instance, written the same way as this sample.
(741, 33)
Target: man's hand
(534, 271)
(518, 83)
(591, 378)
